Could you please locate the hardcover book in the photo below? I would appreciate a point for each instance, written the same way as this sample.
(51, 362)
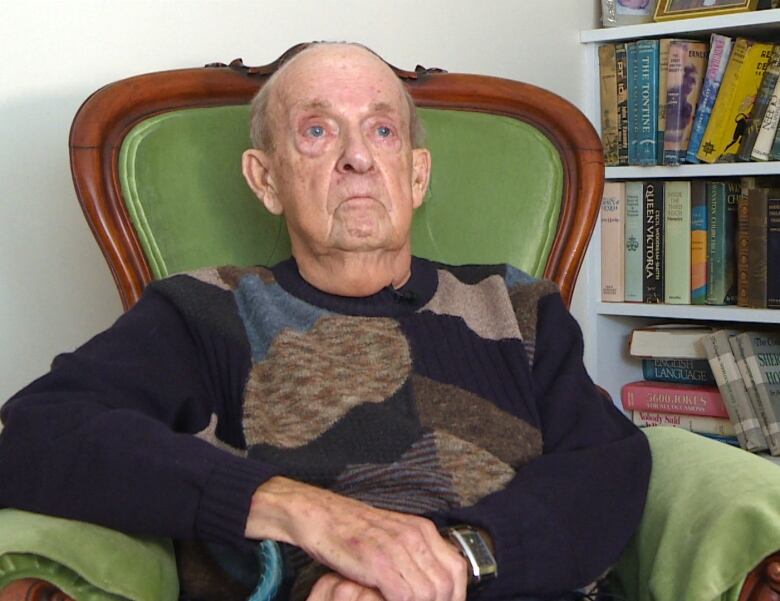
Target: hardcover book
(621, 67)
(720, 50)
(647, 91)
(678, 371)
(764, 104)
(742, 241)
(750, 386)
(632, 79)
(722, 199)
(632, 268)
(757, 239)
(663, 70)
(653, 247)
(762, 149)
(762, 356)
(677, 242)
(733, 392)
(673, 398)
(773, 249)
(731, 112)
(701, 424)
(698, 242)
(687, 63)
(675, 340)
(609, 108)
(613, 209)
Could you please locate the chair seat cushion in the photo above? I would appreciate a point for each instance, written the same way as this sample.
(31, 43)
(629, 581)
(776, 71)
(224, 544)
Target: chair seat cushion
(87, 562)
(712, 515)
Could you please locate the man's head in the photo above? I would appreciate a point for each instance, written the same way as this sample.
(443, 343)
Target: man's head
(336, 155)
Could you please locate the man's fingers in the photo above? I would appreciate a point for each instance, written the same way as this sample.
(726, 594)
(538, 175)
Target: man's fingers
(333, 587)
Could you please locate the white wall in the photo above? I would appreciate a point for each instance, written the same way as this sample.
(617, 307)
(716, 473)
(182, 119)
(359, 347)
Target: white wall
(55, 289)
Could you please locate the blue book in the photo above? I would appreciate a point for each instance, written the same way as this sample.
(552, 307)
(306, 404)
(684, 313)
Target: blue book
(647, 91)
(632, 73)
(721, 235)
(720, 50)
(678, 371)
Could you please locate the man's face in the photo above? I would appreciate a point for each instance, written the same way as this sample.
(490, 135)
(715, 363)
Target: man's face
(343, 170)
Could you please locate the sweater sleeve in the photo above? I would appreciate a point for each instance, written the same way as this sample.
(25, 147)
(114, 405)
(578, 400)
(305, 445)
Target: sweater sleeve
(567, 515)
(107, 435)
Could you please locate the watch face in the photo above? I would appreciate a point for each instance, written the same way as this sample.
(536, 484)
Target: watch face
(481, 561)
(479, 548)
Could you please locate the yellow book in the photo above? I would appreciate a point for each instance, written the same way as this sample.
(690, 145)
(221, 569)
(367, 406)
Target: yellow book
(729, 120)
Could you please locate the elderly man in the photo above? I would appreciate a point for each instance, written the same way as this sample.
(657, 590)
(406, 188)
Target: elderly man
(383, 414)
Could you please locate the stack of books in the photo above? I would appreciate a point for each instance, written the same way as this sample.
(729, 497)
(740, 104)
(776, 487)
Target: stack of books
(722, 383)
(701, 241)
(673, 101)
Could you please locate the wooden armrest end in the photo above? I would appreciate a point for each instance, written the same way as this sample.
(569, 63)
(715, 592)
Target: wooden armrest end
(32, 589)
(763, 583)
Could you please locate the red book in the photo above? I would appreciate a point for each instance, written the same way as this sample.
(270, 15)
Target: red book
(673, 398)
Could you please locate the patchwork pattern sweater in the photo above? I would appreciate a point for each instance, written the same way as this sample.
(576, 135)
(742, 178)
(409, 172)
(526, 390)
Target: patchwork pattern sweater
(461, 396)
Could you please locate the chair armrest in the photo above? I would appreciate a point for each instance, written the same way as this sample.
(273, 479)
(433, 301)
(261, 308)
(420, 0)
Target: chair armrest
(763, 583)
(32, 589)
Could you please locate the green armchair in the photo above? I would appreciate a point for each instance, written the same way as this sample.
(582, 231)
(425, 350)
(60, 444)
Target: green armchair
(517, 177)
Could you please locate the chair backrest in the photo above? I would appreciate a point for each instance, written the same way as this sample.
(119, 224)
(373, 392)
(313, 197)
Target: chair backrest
(517, 174)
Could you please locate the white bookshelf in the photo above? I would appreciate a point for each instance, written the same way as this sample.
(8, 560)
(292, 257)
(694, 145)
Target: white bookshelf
(607, 325)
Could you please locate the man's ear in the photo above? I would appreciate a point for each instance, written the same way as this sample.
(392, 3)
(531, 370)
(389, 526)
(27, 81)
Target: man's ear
(421, 175)
(256, 167)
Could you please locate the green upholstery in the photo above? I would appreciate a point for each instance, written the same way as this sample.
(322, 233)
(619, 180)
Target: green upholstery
(181, 179)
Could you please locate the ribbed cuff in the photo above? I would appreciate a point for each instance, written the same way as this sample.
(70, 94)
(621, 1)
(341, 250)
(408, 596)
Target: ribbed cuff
(224, 506)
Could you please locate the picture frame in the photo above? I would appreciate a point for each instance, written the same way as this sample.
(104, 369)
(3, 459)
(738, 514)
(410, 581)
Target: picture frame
(668, 10)
(616, 13)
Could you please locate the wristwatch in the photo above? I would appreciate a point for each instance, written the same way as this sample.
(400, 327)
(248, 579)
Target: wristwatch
(468, 540)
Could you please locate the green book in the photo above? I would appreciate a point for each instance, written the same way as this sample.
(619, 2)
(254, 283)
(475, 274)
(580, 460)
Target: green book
(722, 199)
(632, 291)
(677, 242)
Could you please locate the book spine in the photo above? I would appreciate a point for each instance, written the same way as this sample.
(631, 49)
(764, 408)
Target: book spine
(677, 242)
(647, 148)
(729, 380)
(632, 267)
(632, 75)
(764, 100)
(757, 202)
(698, 242)
(693, 423)
(721, 281)
(674, 83)
(738, 349)
(773, 249)
(762, 149)
(720, 50)
(762, 356)
(685, 94)
(673, 398)
(663, 71)
(678, 371)
(613, 209)
(742, 243)
(621, 68)
(652, 233)
(608, 97)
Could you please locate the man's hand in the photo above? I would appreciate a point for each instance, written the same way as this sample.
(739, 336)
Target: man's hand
(402, 556)
(334, 587)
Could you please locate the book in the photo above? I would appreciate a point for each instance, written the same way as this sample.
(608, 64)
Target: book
(622, 101)
(677, 242)
(701, 424)
(609, 109)
(742, 241)
(732, 389)
(632, 263)
(687, 64)
(773, 249)
(632, 87)
(762, 356)
(720, 50)
(699, 222)
(757, 256)
(737, 347)
(673, 398)
(663, 72)
(762, 149)
(678, 371)
(722, 199)
(647, 89)
(730, 113)
(765, 100)
(674, 340)
(613, 215)
(653, 247)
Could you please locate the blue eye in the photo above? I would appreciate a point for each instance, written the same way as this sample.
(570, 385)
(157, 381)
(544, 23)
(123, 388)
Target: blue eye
(384, 131)
(316, 131)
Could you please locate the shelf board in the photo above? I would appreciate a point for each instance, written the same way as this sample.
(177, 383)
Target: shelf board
(700, 170)
(692, 312)
(762, 23)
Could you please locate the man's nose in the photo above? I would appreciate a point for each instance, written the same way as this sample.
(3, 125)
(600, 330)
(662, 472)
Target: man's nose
(356, 154)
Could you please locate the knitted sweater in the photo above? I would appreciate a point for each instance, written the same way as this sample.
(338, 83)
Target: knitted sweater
(461, 396)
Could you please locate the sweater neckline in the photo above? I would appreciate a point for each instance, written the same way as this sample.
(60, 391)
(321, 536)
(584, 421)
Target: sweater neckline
(388, 302)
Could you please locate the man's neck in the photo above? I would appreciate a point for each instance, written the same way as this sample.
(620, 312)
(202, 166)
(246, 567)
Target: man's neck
(356, 274)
